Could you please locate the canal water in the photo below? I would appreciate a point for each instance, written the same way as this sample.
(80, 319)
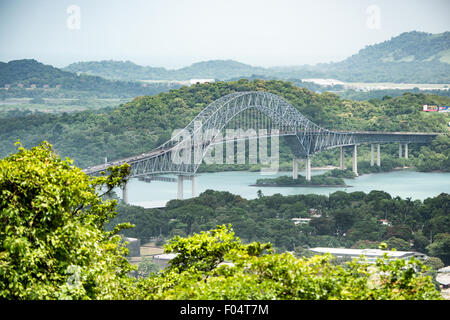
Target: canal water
(404, 183)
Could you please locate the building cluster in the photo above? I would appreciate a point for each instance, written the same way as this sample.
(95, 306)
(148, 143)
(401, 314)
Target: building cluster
(443, 277)
(365, 87)
(177, 82)
(369, 255)
(32, 86)
(434, 108)
(313, 213)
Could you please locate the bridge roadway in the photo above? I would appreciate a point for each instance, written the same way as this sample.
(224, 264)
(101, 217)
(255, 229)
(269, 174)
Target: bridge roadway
(361, 137)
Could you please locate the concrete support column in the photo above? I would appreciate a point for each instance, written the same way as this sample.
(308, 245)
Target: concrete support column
(355, 159)
(308, 169)
(371, 155)
(399, 150)
(406, 151)
(125, 192)
(378, 156)
(180, 188)
(294, 168)
(341, 159)
(194, 186)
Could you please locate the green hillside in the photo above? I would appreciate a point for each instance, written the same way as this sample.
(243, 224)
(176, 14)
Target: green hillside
(412, 57)
(124, 70)
(407, 47)
(21, 74)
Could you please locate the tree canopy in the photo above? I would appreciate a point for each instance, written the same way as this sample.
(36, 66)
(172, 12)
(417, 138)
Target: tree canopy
(52, 242)
(53, 245)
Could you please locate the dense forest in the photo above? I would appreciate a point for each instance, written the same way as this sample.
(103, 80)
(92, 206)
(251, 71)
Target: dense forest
(342, 219)
(55, 244)
(411, 57)
(147, 121)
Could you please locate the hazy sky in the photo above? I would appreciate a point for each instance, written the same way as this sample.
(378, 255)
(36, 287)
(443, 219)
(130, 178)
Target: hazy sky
(177, 33)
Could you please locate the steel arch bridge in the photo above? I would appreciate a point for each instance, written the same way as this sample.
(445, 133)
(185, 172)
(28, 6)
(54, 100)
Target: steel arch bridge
(268, 115)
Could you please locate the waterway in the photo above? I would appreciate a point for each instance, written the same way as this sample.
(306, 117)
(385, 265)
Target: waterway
(404, 183)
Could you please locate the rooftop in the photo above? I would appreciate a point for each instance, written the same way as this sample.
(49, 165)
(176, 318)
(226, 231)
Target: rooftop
(444, 270)
(366, 252)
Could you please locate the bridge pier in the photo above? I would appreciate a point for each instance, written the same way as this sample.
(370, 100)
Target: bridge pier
(406, 151)
(378, 156)
(295, 168)
(308, 168)
(355, 159)
(341, 159)
(399, 150)
(125, 192)
(371, 155)
(180, 188)
(194, 186)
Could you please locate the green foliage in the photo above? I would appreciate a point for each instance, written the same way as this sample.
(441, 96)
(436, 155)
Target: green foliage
(52, 243)
(317, 180)
(147, 268)
(343, 174)
(253, 274)
(398, 244)
(347, 219)
(435, 156)
(206, 250)
(441, 247)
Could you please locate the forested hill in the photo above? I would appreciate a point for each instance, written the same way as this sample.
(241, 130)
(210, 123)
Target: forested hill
(213, 69)
(407, 47)
(148, 121)
(411, 57)
(414, 57)
(125, 70)
(20, 75)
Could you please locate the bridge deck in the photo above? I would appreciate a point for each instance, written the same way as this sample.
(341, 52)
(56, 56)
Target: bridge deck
(360, 137)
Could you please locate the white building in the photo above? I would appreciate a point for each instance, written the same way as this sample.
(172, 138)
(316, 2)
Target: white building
(163, 259)
(370, 254)
(443, 277)
(301, 220)
(195, 81)
(325, 82)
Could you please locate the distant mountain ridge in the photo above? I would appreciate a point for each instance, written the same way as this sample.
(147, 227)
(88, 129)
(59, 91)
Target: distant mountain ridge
(20, 75)
(413, 57)
(127, 70)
